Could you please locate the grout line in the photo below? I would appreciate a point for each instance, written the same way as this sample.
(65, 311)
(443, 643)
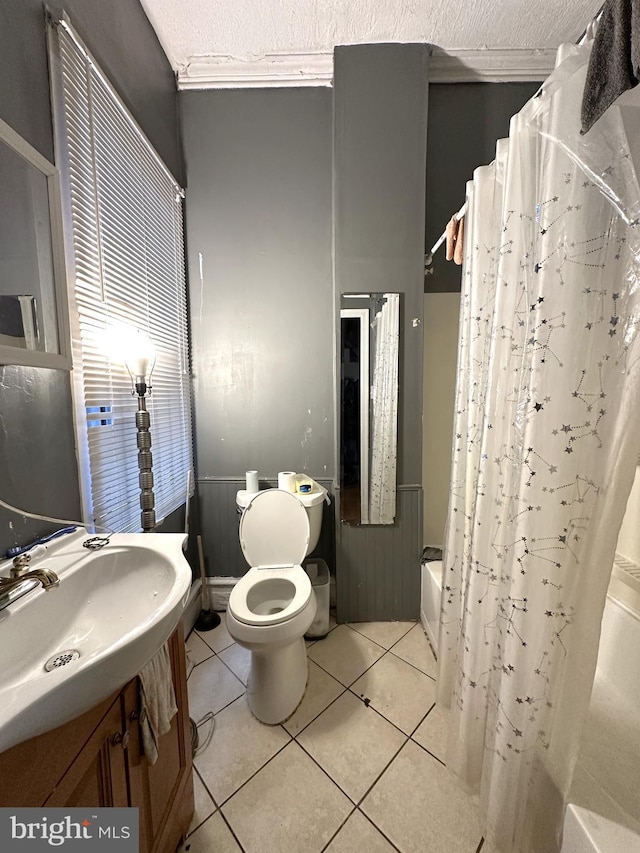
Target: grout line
(395, 642)
(351, 683)
(306, 726)
(355, 631)
(430, 754)
(215, 807)
(255, 773)
(383, 834)
(422, 720)
(357, 696)
(224, 818)
(204, 641)
(432, 677)
(339, 828)
(326, 773)
(223, 661)
(371, 707)
(382, 772)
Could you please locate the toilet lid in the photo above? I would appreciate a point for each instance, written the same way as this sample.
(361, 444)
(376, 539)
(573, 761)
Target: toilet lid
(274, 530)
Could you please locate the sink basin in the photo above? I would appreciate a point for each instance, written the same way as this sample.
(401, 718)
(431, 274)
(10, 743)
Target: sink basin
(66, 649)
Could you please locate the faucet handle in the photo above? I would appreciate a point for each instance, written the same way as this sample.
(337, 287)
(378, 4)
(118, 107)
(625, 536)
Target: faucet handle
(20, 565)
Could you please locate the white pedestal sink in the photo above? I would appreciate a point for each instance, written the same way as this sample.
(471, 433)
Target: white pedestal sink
(112, 611)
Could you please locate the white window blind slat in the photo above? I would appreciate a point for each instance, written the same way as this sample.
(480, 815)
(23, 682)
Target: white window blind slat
(127, 226)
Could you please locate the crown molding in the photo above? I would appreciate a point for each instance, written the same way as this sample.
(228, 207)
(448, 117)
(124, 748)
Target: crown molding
(276, 70)
(273, 70)
(491, 65)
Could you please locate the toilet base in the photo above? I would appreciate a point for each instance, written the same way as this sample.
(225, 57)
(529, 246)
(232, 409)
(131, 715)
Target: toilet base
(277, 681)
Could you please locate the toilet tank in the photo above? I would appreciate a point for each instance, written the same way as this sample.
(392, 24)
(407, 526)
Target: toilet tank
(312, 501)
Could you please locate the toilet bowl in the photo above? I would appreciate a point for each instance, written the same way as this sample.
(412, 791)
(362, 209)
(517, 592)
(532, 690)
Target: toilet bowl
(272, 606)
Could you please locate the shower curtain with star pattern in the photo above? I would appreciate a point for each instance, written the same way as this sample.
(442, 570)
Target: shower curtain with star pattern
(547, 434)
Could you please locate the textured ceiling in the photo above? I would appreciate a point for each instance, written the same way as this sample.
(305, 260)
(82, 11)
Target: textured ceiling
(249, 29)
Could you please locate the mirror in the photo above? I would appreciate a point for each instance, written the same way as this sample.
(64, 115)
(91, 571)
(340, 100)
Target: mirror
(33, 310)
(369, 341)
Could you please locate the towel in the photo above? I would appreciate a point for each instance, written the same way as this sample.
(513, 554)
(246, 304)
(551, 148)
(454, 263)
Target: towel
(458, 254)
(614, 64)
(157, 702)
(452, 236)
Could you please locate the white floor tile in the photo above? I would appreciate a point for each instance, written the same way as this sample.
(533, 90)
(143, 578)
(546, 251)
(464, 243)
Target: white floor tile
(211, 686)
(321, 690)
(238, 659)
(419, 807)
(212, 836)
(290, 806)
(432, 732)
(218, 638)
(398, 691)
(197, 648)
(359, 834)
(383, 633)
(415, 649)
(239, 747)
(345, 654)
(352, 743)
(204, 805)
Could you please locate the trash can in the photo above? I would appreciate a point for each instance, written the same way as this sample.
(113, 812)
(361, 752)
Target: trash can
(318, 572)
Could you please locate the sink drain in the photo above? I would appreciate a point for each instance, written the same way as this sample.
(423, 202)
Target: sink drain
(61, 659)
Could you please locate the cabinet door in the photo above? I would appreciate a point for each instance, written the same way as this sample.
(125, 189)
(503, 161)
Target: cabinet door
(98, 776)
(163, 791)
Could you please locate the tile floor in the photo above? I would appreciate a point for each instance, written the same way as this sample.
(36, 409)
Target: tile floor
(358, 767)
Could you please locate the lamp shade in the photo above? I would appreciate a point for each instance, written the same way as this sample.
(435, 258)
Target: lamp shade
(139, 354)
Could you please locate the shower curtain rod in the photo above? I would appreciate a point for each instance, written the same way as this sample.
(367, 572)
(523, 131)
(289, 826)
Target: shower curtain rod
(443, 236)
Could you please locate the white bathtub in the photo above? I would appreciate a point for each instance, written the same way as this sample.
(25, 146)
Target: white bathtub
(431, 588)
(603, 815)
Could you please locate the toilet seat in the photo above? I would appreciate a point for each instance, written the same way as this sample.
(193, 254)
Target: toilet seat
(274, 530)
(300, 594)
(274, 535)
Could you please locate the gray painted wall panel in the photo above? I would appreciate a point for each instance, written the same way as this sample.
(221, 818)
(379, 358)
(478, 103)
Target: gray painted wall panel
(380, 118)
(38, 469)
(259, 255)
(380, 109)
(378, 573)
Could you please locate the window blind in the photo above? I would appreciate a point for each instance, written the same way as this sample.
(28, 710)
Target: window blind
(127, 271)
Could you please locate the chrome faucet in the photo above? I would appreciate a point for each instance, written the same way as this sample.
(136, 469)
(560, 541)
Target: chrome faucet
(23, 580)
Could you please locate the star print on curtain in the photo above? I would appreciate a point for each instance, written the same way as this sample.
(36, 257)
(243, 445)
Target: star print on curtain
(545, 444)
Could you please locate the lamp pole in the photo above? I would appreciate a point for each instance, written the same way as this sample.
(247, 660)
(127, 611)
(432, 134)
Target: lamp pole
(145, 458)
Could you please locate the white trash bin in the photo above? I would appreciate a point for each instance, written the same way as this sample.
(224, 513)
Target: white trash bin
(318, 572)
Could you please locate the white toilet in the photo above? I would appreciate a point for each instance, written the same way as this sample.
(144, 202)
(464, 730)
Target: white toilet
(272, 606)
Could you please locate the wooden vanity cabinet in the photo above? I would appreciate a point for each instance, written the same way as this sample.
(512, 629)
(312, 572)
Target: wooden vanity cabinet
(97, 760)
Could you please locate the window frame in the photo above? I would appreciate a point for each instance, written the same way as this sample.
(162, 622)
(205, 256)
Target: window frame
(122, 503)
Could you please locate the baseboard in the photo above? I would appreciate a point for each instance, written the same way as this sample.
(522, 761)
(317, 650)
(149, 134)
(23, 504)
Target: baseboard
(219, 591)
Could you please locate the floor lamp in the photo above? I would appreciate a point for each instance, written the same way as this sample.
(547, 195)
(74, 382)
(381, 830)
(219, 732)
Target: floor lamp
(140, 361)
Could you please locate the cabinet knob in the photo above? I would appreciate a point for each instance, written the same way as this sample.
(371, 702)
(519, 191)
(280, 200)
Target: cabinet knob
(120, 738)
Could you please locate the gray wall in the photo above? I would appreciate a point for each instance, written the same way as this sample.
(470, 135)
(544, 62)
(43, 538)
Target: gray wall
(38, 470)
(258, 222)
(465, 121)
